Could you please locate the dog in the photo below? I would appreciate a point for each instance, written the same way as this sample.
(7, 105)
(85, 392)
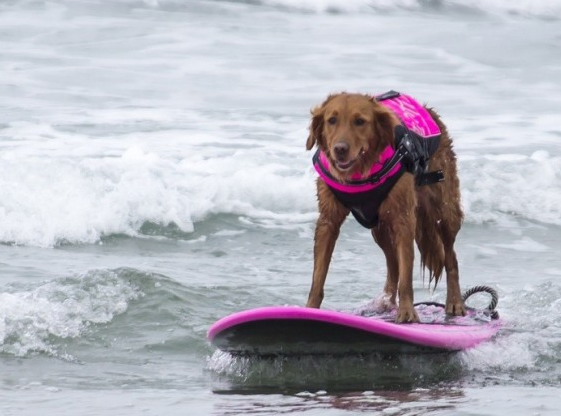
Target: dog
(388, 160)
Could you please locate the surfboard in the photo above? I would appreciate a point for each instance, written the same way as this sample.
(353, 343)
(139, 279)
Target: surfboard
(295, 330)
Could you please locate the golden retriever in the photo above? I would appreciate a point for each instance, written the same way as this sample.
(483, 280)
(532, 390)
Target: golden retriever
(352, 131)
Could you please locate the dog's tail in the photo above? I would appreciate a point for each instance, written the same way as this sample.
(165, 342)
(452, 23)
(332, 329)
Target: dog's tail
(431, 247)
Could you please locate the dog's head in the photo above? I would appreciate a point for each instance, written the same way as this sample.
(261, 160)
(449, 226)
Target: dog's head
(352, 130)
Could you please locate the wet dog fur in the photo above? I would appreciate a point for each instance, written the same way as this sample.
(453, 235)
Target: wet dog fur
(352, 130)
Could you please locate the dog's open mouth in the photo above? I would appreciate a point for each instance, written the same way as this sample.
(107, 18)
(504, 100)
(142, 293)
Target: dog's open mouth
(345, 166)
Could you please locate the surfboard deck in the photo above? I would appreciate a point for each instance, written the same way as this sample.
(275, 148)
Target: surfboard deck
(294, 330)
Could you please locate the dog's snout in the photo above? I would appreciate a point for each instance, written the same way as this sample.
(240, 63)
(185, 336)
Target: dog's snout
(341, 149)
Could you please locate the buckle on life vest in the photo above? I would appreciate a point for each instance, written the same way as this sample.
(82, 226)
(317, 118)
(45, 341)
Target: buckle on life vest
(415, 158)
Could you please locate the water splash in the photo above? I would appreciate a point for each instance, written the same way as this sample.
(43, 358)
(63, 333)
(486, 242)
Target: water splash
(35, 320)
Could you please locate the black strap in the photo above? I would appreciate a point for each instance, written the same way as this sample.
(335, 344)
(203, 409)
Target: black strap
(430, 178)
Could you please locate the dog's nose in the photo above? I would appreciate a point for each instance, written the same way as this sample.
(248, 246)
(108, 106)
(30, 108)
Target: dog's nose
(341, 149)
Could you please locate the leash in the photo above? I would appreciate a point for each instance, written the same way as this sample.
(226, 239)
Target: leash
(490, 310)
(494, 299)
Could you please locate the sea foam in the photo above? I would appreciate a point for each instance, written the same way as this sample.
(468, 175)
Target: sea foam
(49, 201)
(33, 319)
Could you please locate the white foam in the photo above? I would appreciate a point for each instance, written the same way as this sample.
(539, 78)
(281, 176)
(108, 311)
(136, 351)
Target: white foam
(47, 201)
(62, 308)
(530, 333)
(495, 188)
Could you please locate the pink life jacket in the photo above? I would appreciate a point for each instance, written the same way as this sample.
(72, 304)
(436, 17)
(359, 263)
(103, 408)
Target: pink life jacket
(416, 140)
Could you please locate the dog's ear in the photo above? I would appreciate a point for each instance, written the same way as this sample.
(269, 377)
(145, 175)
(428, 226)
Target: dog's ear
(384, 124)
(316, 128)
(316, 125)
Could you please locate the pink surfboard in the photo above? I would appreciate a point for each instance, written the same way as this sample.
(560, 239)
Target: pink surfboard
(294, 330)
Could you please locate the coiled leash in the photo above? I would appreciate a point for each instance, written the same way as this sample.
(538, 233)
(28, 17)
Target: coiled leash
(494, 299)
(490, 310)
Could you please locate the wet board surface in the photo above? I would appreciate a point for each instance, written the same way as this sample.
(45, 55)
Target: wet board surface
(293, 330)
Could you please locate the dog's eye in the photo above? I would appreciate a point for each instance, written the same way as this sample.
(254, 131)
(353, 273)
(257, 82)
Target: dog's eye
(359, 121)
(332, 120)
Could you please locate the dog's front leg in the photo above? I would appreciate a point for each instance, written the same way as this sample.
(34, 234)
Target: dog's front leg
(331, 216)
(325, 238)
(396, 240)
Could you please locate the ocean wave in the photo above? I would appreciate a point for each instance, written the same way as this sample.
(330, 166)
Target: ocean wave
(548, 9)
(529, 340)
(38, 319)
(543, 9)
(127, 308)
(506, 186)
(62, 316)
(52, 202)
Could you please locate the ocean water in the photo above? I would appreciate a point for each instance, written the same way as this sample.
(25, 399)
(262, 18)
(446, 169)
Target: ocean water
(154, 178)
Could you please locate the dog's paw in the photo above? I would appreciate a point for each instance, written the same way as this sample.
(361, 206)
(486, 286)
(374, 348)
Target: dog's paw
(455, 309)
(407, 314)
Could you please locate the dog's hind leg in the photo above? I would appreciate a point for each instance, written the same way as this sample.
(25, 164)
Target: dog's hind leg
(437, 227)
(454, 303)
